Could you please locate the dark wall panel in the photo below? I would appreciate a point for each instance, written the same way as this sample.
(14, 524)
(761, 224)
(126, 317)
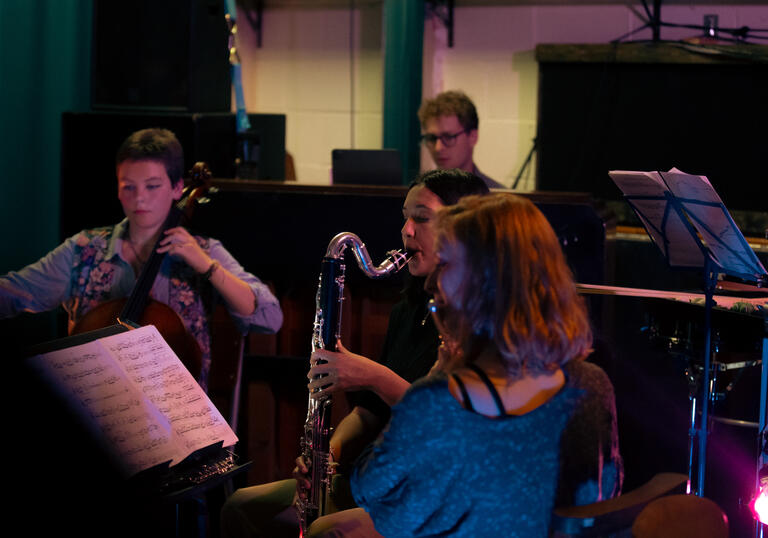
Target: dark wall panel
(170, 55)
(707, 119)
(91, 139)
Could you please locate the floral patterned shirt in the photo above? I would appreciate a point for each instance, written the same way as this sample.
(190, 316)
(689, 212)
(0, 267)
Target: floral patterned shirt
(88, 269)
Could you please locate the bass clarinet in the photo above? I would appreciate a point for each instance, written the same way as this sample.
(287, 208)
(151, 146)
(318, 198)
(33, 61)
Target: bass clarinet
(315, 444)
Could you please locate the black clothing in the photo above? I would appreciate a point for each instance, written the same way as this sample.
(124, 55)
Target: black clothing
(410, 349)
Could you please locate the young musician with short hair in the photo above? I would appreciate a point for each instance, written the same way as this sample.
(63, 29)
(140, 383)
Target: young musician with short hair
(98, 265)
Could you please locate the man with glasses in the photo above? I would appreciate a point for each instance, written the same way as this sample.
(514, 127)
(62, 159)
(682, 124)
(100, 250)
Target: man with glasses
(449, 126)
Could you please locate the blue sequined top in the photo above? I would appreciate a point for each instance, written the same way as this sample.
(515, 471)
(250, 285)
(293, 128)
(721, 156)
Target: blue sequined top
(440, 470)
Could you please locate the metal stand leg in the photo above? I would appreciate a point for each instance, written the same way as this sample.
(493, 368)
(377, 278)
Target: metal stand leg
(693, 390)
(762, 459)
(710, 276)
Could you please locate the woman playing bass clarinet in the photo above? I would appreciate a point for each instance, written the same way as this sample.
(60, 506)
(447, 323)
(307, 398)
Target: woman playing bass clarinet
(476, 447)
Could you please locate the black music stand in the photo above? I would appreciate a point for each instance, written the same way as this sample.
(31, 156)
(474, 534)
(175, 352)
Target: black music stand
(100, 376)
(688, 222)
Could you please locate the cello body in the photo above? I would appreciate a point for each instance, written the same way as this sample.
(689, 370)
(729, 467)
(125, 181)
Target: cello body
(163, 317)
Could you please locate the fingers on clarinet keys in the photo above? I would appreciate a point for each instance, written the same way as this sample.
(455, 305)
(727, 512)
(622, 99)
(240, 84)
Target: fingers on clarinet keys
(318, 384)
(300, 474)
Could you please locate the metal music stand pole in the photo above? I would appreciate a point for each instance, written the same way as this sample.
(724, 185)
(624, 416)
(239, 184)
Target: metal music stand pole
(762, 456)
(694, 387)
(706, 391)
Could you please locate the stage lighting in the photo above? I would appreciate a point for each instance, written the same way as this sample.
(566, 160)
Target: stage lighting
(759, 504)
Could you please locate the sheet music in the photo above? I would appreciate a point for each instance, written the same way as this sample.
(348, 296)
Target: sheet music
(691, 186)
(662, 222)
(708, 214)
(704, 210)
(134, 392)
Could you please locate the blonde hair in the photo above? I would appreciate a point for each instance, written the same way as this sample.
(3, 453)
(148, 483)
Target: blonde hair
(518, 294)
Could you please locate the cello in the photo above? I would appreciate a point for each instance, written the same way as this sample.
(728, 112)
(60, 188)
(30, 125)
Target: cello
(138, 308)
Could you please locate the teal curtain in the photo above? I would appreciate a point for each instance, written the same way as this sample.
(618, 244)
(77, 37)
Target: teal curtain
(44, 71)
(45, 51)
(403, 45)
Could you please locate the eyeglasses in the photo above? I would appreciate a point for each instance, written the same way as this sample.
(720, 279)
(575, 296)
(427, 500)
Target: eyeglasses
(447, 139)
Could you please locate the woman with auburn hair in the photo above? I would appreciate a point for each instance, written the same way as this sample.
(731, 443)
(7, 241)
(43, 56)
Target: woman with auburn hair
(474, 448)
(516, 293)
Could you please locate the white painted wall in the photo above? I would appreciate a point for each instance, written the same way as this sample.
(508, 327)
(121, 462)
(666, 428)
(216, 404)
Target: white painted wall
(305, 69)
(331, 92)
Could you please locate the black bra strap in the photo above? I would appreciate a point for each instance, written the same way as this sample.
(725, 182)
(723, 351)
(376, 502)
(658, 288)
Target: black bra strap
(464, 394)
(494, 393)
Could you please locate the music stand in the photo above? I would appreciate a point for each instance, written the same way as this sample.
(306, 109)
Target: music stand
(688, 222)
(143, 410)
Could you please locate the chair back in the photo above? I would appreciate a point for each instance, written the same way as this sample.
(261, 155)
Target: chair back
(681, 516)
(613, 517)
(224, 378)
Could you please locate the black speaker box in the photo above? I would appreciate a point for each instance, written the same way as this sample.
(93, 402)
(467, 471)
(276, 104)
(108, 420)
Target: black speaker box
(169, 55)
(705, 119)
(90, 141)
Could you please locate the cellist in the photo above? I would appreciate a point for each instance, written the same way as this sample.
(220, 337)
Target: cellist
(102, 264)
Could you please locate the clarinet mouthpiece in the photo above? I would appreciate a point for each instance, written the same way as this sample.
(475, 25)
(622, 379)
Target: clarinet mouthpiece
(398, 259)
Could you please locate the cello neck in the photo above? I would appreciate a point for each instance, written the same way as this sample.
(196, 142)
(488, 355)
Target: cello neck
(137, 301)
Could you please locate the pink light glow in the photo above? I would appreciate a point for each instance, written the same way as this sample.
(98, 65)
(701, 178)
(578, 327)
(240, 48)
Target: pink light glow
(759, 505)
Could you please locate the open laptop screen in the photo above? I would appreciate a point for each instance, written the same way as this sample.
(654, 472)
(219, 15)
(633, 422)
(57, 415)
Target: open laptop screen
(366, 167)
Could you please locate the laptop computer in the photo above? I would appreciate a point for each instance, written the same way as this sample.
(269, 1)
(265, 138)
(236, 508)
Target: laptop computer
(366, 167)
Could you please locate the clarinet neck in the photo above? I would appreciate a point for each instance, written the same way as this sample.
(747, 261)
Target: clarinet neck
(394, 262)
